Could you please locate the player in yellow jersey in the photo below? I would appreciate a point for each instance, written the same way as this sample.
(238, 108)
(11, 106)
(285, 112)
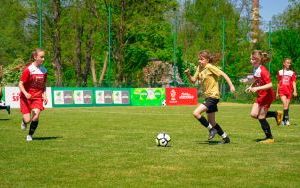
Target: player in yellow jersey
(208, 76)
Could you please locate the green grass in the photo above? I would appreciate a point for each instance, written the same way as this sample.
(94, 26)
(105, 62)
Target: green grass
(115, 147)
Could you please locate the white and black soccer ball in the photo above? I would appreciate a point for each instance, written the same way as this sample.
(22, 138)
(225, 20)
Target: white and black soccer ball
(162, 139)
(163, 103)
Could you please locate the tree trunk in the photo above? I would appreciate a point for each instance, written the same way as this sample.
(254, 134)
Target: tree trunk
(57, 65)
(120, 49)
(93, 71)
(103, 70)
(255, 23)
(88, 57)
(79, 33)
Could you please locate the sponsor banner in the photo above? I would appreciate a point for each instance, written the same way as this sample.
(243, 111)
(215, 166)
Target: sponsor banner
(71, 97)
(112, 96)
(147, 96)
(181, 96)
(12, 97)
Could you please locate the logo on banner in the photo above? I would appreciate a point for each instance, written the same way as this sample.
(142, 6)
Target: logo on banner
(173, 95)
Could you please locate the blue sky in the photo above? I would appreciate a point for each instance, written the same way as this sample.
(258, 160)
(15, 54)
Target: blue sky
(270, 8)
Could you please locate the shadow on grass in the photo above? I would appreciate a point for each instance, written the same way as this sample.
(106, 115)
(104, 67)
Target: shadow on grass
(4, 119)
(47, 138)
(210, 142)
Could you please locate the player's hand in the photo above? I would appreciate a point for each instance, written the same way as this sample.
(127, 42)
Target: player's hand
(248, 89)
(232, 89)
(187, 71)
(295, 94)
(45, 100)
(27, 95)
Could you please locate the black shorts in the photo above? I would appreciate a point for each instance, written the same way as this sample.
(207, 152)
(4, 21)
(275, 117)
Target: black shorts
(211, 104)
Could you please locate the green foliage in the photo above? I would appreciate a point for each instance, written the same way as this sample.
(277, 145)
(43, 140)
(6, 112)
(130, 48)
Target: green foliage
(167, 30)
(12, 73)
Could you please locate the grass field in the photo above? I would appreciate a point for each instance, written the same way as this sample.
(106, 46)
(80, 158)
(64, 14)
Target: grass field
(115, 147)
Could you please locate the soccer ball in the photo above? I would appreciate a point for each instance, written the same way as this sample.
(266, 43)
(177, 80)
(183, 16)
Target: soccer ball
(164, 103)
(162, 139)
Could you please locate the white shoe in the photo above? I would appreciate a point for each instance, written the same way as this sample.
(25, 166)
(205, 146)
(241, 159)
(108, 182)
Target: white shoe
(212, 133)
(23, 126)
(29, 138)
(287, 122)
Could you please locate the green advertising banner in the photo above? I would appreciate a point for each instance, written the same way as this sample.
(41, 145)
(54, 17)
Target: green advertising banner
(112, 96)
(147, 96)
(79, 97)
(72, 97)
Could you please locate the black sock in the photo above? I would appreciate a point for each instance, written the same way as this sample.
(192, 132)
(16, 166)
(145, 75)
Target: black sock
(33, 126)
(285, 114)
(271, 114)
(3, 107)
(266, 128)
(203, 121)
(219, 129)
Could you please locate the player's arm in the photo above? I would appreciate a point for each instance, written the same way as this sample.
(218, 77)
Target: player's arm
(191, 78)
(263, 87)
(23, 90)
(295, 89)
(44, 95)
(228, 80)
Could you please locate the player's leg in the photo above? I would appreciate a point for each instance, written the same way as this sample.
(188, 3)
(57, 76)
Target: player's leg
(212, 120)
(285, 101)
(197, 113)
(255, 111)
(34, 121)
(265, 125)
(37, 107)
(26, 111)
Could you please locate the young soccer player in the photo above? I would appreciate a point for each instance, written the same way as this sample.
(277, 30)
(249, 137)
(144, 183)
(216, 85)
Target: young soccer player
(2, 103)
(262, 85)
(286, 88)
(33, 91)
(208, 75)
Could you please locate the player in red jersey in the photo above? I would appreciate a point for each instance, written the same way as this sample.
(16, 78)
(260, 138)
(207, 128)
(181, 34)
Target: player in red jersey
(33, 91)
(286, 88)
(262, 85)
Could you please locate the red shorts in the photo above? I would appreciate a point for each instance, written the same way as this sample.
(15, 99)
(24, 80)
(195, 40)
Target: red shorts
(26, 105)
(265, 101)
(285, 93)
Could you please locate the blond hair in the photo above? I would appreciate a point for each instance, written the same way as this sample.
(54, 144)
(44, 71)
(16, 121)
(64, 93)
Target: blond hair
(263, 57)
(213, 58)
(34, 54)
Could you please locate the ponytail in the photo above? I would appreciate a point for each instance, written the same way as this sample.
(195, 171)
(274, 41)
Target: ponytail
(213, 58)
(34, 54)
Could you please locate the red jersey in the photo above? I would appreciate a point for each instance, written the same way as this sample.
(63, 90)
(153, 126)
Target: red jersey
(34, 80)
(285, 80)
(262, 77)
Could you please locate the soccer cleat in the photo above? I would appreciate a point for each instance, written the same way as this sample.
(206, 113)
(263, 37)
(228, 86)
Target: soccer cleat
(8, 109)
(212, 133)
(279, 117)
(267, 141)
(29, 138)
(23, 126)
(287, 122)
(225, 140)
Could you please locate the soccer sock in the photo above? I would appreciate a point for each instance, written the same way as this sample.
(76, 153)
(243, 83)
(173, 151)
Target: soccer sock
(271, 114)
(285, 114)
(33, 126)
(220, 131)
(3, 107)
(204, 122)
(266, 128)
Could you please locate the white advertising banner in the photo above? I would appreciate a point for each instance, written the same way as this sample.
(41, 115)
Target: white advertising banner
(12, 97)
